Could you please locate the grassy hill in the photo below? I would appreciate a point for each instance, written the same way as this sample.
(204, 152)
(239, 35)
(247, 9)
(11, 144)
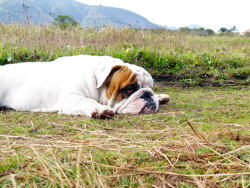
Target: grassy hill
(42, 12)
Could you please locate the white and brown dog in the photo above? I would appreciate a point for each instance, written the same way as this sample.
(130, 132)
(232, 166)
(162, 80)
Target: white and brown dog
(95, 86)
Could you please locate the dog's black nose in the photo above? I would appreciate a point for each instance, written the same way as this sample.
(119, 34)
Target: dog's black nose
(150, 105)
(146, 95)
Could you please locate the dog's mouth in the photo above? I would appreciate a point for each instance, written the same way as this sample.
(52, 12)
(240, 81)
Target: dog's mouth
(141, 102)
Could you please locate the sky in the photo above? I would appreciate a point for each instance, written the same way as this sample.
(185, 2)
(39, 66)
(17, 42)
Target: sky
(211, 14)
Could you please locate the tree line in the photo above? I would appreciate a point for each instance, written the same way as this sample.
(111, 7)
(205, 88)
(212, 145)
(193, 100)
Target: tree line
(203, 31)
(65, 21)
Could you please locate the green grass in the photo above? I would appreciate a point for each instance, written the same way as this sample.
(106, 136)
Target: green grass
(200, 138)
(183, 57)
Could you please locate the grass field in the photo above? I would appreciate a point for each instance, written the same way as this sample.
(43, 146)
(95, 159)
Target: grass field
(177, 55)
(199, 139)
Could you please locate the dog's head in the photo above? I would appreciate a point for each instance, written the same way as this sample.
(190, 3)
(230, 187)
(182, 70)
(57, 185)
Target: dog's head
(128, 89)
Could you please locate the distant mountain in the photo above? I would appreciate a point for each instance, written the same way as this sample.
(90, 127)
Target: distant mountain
(44, 11)
(194, 26)
(172, 28)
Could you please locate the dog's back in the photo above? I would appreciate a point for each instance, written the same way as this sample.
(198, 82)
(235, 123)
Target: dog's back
(18, 82)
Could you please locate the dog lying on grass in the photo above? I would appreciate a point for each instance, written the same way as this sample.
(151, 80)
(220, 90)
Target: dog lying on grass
(95, 86)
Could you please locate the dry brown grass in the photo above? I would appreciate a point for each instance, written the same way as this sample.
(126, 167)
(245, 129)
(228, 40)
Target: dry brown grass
(176, 147)
(53, 38)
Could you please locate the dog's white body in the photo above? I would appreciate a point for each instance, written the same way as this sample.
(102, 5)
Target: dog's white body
(70, 85)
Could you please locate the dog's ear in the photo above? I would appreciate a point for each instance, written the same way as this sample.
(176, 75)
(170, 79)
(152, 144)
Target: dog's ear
(104, 75)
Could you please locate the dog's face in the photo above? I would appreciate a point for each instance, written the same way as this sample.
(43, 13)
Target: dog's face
(128, 90)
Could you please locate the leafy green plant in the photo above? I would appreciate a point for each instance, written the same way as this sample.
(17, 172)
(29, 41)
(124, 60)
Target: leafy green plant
(207, 60)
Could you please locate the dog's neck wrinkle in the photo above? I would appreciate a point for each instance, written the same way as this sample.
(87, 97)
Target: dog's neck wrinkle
(102, 96)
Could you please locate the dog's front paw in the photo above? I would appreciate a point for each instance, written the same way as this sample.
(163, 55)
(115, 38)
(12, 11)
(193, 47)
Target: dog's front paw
(103, 113)
(163, 98)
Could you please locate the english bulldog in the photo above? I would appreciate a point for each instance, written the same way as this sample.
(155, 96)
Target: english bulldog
(94, 86)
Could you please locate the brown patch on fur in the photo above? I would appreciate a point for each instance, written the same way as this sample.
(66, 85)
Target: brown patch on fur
(120, 77)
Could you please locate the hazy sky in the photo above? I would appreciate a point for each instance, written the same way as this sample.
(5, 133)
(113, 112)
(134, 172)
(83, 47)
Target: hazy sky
(212, 14)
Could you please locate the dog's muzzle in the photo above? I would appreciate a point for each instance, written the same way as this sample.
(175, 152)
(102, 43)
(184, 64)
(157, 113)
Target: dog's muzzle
(150, 106)
(142, 101)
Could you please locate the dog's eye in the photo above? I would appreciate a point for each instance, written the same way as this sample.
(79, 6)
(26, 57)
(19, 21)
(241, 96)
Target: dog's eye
(129, 90)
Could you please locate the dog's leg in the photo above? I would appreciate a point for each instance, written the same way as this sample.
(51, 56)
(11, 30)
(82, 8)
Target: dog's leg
(74, 104)
(163, 98)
